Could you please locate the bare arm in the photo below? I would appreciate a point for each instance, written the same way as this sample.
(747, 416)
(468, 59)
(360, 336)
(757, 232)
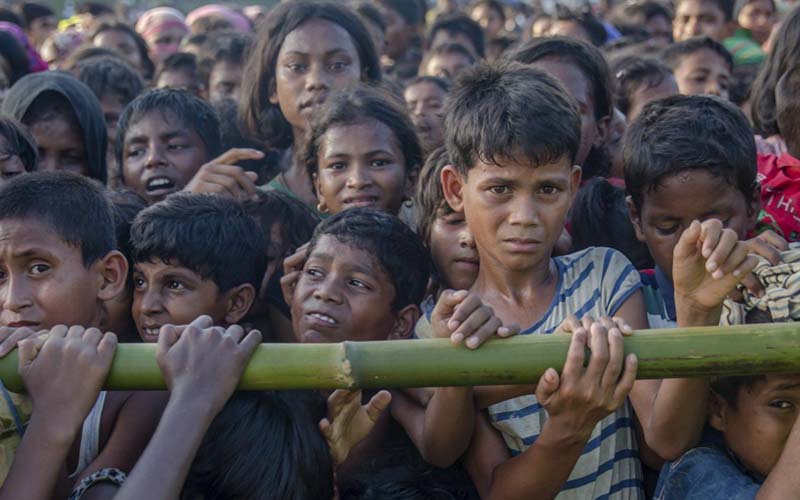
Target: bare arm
(783, 481)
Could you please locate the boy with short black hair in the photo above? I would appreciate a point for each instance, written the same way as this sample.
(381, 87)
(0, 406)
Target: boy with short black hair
(701, 66)
(223, 65)
(194, 254)
(711, 18)
(447, 61)
(456, 28)
(180, 71)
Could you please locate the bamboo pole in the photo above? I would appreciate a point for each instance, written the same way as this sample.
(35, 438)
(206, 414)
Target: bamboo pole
(679, 352)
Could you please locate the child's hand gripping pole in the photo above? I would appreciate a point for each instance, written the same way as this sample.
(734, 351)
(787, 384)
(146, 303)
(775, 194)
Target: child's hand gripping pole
(462, 316)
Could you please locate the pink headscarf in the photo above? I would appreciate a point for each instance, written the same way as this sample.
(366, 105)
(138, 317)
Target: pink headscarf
(35, 61)
(237, 21)
(159, 19)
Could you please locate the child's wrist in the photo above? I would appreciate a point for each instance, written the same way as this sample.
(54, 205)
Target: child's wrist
(558, 434)
(57, 432)
(691, 313)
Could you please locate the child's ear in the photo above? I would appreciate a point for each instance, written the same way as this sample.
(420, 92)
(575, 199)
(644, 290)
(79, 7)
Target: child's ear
(754, 207)
(239, 300)
(636, 219)
(404, 323)
(603, 127)
(717, 409)
(575, 179)
(453, 188)
(112, 273)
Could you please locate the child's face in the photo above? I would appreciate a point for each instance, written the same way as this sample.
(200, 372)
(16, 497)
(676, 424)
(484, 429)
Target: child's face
(488, 18)
(43, 281)
(580, 88)
(757, 428)
(515, 212)
(112, 107)
(343, 294)
(660, 28)
(571, 29)
(60, 144)
(10, 163)
(645, 94)
(447, 66)
(453, 250)
(165, 293)
(682, 198)
(225, 81)
(165, 43)
(699, 18)
(758, 16)
(398, 33)
(361, 165)
(121, 42)
(703, 73)
(161, 155)
(316, 59)
(425, 102)
(443, 36)
(177, 79)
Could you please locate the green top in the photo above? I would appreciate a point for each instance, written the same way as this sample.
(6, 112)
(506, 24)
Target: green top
(744, 50)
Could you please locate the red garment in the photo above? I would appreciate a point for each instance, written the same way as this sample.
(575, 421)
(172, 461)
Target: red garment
(779, 177)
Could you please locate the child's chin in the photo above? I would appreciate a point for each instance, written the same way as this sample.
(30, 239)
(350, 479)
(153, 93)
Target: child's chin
(317, 337)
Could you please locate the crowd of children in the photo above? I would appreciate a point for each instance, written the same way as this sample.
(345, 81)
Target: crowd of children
(383, 170)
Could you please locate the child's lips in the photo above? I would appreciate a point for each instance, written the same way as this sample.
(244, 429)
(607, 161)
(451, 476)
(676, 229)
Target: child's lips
(521, 245)
(318, 319)
(360, 201)
(22, 324)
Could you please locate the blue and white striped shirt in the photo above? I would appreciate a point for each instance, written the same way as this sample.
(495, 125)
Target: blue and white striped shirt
(597, 282)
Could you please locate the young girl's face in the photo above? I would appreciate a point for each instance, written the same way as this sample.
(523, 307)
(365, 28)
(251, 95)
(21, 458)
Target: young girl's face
(758, 16)
(361, 165)
(453, 250)
(425, 102)
(703, 72)
(317, 58)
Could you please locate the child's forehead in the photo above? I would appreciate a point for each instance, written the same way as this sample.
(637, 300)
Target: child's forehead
(160, 266)
(774, 384)
(690, 6)
(347, 253)
(31, 236)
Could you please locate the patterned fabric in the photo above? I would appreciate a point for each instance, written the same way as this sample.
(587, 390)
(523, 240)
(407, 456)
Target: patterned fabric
(779, 177)
(114, 476)
(596, 282)
(744, 50)
(659, 299)
(782, 291)
(15, 412)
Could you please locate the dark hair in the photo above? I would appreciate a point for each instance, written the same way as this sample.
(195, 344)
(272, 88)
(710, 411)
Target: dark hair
(509, 110)
(9, 16)
(787, 107)
(148, 68)
(408, 9)
(647, 9)
(73, 206)
(20, 142)
(264, 445)
(191, 111)
(296, 222)
(677, 52)
(211, 235)
(87, 53)
(725, 6)
(264, 120)
(13, 52)
(785, 54)
(181, 61)
(31, 11)
(458, 23)
(587, 21)
(370, 13)
(429, 199)
(495, 5)
(501, 43)
(232, 137)
(393, 245)
(684, 132)
(224, 47)
(357, 106)
(633, 73)
(94, 9)
(109, 75)
(586, 57)
(442, 83)
(447, 49)
(741, 4)
(125, 206)
(599, 204)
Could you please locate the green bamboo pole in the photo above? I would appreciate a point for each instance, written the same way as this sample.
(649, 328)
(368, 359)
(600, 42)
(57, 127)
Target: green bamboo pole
(679, 352)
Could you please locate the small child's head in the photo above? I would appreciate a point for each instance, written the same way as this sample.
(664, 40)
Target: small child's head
(701, 66)
(58, 262)
(787, 107)
(305, 50)
(114, 83)
(755, 414)
(402, 21)
(489, 14)
(39, 22)
(65, 118)
(363, 151)
(124, 40)
(281, 425)
(18, 150)
(444, 231)
(584, 73)
(425, 96)
(512, 133)
(639, 81)
(756, 16)
(456, 28)
(711, 18)
(447, 61)
(582, 25)
(180, 71)
(651, 15)
(689, 158)
(364, 277)
(194, 254)
(163, 138)
(223, 64)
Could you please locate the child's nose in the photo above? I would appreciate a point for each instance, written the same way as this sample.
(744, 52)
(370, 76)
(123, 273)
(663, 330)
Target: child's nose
(17, 295)
(326, 292)
(359, 178)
